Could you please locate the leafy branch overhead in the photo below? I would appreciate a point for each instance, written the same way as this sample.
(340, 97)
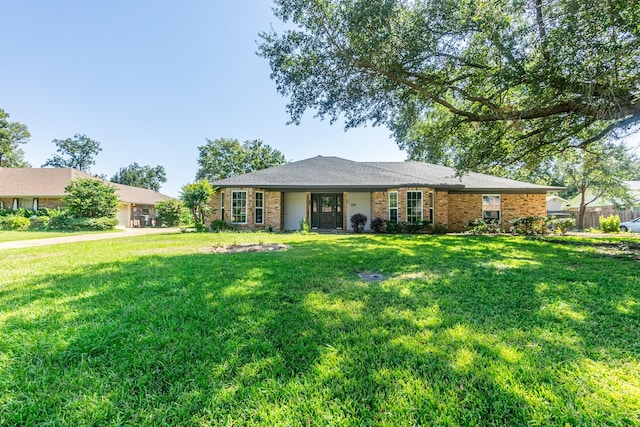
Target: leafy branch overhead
(506, 82)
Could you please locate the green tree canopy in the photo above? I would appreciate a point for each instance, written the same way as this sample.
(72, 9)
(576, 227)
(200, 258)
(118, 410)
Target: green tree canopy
(196, 198)
(221, 158)
(12, 135)
(597, 171)
(91, 198)
(76, 152)
(501, 82)
(135, 175)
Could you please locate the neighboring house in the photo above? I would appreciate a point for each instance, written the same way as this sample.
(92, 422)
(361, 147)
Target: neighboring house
(555, 206)
(36, 188)
(634, 188)
(327, 191)
(596, 205)
(604, 203)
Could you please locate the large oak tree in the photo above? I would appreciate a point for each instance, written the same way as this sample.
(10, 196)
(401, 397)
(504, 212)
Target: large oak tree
(223, 157)
(145, 176)
(77, 152)
(12, 135)
(481, 82)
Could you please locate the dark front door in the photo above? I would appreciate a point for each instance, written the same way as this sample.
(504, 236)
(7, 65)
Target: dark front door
(326, 210)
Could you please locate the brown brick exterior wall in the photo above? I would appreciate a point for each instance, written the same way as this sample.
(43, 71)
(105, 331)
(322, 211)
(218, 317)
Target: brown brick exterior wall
(273, 215)
(462, 209)
(380, 204)
(522, 205)
(441, 208)
(466, 207)
(453, 210)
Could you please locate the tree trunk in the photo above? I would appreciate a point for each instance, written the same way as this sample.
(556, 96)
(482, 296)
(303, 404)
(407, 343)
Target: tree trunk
(581, 211)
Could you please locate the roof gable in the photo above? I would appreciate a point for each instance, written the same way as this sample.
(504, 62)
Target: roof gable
(51, 182)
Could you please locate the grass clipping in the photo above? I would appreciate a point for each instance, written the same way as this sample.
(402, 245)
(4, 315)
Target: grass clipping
(249, 247)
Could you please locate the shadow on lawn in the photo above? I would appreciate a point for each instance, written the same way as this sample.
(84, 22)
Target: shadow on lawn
(464, 330)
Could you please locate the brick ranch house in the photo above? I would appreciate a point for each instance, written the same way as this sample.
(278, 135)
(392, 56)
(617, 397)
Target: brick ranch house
(37, 188)
(327, 191)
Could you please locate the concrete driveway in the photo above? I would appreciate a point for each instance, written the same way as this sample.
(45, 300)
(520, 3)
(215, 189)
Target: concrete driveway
(127, 232)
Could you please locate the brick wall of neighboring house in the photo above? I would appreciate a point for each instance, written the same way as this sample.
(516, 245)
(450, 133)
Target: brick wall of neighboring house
(50, 203)
(43, 202)
(462, 209)
(272, 208)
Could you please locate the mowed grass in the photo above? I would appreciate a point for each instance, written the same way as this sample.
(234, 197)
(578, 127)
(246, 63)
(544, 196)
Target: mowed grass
(464, 330)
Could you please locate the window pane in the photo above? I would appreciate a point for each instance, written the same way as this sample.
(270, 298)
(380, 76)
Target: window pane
(259, 208)
(393, 199)
(326, 204)
(491, 207)
(491, 202)
(491, 215)
(239, 206)
(414, 206)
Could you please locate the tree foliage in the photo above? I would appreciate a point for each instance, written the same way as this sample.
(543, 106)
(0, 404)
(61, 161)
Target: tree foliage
(169, 212)
(221, 158)
(12, 135)
(135, 175)
(196, 198)
(597, 171)
(91, 198)
(77, 152)
(482, 83)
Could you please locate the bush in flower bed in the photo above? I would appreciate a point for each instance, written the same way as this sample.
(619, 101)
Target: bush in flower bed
(66, 223)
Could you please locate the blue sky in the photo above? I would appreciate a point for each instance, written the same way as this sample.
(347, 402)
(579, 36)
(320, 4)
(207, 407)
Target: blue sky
(151, 80)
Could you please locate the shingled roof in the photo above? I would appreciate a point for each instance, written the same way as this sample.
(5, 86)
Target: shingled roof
(51, 182)
(337, 173)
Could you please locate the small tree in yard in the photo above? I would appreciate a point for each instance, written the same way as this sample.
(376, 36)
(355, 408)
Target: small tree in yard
(91, 198)
(196, 197)
(169, 212)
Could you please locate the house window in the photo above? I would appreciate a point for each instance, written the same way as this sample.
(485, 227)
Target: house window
(414, 206)
(239, 207)
(259, 207)
(222, 205)
(34, 204)
(16, 205)
(431, 202)
(491, 206)
(393, 206)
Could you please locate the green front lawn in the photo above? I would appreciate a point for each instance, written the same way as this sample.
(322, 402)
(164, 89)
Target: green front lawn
(464, 330)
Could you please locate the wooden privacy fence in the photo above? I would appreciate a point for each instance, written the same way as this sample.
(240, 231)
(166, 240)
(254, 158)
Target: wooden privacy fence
(592, 218)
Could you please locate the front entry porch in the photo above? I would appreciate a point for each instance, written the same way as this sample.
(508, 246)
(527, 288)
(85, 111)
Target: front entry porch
(327, 211)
